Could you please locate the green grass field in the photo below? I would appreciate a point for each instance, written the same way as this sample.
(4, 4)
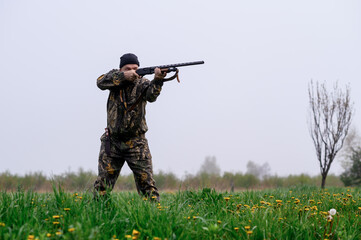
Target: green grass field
(295, 213)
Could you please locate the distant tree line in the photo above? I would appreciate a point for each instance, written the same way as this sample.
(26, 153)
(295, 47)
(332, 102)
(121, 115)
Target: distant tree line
(209, 176)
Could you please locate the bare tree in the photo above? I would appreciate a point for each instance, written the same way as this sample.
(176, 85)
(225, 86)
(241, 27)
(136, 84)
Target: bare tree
(210, 166)
(330, 118)
(259, 171)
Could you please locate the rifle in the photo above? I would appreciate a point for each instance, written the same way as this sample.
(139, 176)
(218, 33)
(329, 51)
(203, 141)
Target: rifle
(166, 68)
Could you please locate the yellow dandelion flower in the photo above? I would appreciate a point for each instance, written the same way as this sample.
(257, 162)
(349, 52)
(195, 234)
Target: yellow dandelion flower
(278, 201)
(56, 223)
(156, 238)
(31, 237)
(58, 233)
(236, 228)
(219, 222)
(66, 209)
(2, 224)
(359, 208)
(56, 216)
(128, 236)
(48, 234)
(249, 232)
(135, 232)
(247, 227)
(71, 229)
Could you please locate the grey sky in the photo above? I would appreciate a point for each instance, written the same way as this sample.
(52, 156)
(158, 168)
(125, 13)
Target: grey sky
(248, 102)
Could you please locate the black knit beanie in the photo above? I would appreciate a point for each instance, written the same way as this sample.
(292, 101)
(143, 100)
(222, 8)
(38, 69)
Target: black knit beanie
(128, 58)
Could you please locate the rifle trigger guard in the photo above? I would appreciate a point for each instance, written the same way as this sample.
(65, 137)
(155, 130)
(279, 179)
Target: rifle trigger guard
(172, 77)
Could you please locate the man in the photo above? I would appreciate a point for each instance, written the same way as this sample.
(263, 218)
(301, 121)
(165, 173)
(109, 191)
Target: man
(124, 139)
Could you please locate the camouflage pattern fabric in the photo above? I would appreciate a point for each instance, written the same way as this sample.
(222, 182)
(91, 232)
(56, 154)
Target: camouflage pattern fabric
(127, 125)
(135, 152)
(123, 95)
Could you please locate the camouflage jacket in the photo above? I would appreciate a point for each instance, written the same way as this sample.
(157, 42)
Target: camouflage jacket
(123, 119)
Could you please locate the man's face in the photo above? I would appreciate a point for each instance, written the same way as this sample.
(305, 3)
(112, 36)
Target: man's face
(129, 67)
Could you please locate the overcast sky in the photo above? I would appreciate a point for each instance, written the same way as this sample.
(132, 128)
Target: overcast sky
(248, 102)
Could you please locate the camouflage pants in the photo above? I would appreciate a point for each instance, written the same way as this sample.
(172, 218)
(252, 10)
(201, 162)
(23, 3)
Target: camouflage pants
(135, 152)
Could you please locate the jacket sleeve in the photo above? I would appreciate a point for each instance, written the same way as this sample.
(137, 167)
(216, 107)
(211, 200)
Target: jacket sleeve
(110, 80)
(153, 90)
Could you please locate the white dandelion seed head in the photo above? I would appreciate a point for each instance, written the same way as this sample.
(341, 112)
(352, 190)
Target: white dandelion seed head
(332, 211)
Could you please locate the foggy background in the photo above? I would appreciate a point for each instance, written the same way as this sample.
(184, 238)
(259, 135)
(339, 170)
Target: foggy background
(248, 102)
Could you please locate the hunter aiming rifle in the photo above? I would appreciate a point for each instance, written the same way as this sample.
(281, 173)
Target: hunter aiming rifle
(166, 68)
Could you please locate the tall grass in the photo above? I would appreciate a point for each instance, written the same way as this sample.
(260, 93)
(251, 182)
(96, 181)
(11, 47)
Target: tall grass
(292, 213)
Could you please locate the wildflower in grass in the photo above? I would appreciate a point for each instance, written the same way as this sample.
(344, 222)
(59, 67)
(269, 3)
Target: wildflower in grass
(219, 222)
(58, 233)
(314, 208)
(227, 199)
(236, 228)
(2, 224)
(56, 216)
(66, 209)
(56, 223)
(247, 227)
(278, 201)
(128, 236)
(71, 229)
(332, 211)
(31, 237)
(48, 234)
(359, 208)
(249, 232)
(156, 238)
(135, 232)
